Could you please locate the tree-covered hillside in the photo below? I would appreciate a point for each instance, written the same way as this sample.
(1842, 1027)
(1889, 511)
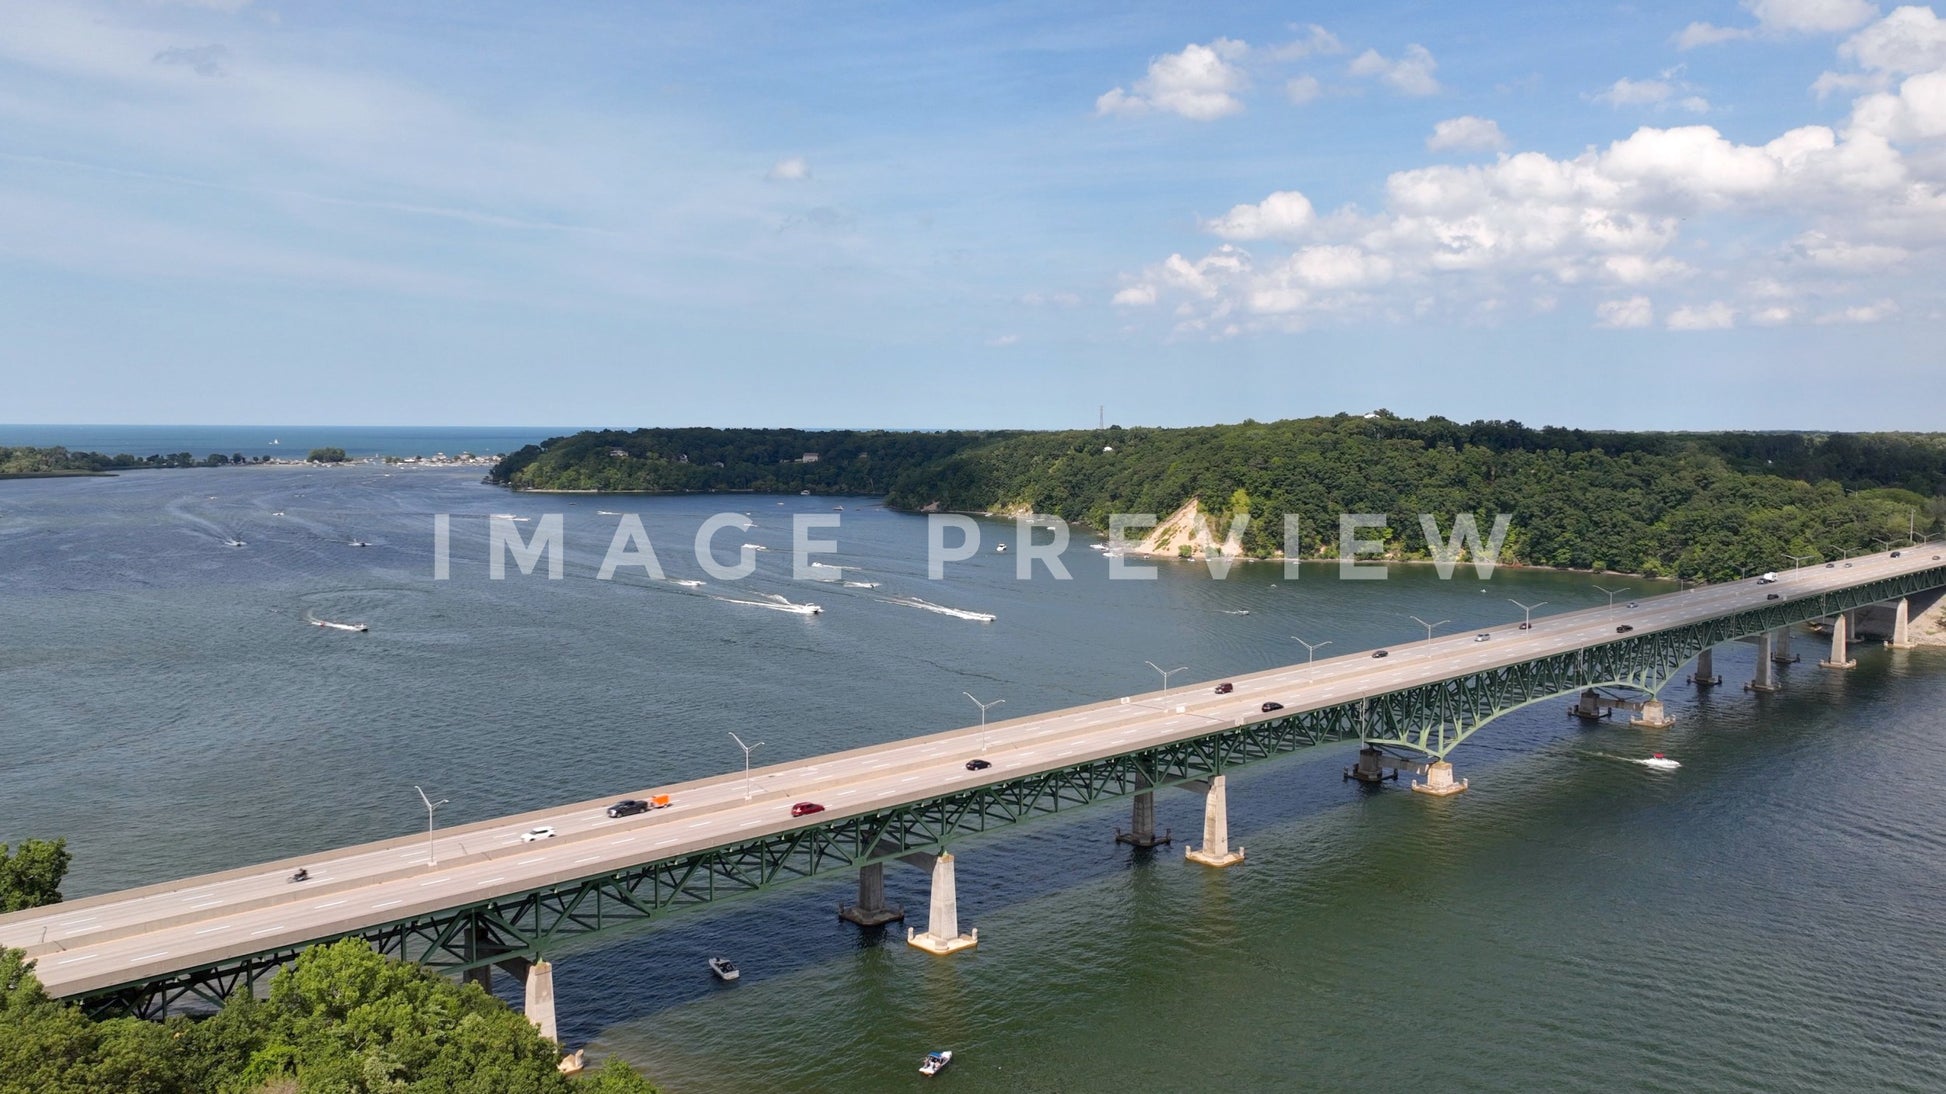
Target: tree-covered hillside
(1699, 505)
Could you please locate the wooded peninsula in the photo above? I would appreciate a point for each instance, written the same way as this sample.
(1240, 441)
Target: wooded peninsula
(1708, 506)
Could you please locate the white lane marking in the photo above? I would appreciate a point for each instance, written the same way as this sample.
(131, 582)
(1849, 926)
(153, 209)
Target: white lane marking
(525, 861)
(489, 881)
(698, 824)
(628, 839)
(77, 960)
(663, 843)
(148, 957)
(266, 930)
(436, 881)
(911, 779)
(213, 930)
(333, 904)
(388, 904)
(590, 858)
(205, 904)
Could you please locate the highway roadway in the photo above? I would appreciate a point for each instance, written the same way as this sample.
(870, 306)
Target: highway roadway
(117, 938)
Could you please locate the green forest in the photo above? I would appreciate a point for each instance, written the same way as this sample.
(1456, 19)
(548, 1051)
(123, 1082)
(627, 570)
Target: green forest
(1706, 506)
(340, 1019)
(18, 462)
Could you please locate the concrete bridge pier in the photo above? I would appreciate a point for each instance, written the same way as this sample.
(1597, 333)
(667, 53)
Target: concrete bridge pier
(942, 923)
(1141, 832)
(1653, 715)
(871, 909)
(1766, 676)
(1705, 674)
(1439, 780)
(1840, 655)
(1780, 652)
(1589, 706)
(1216, 827)
(1371, 767)
(1901, 626)
(540, 999)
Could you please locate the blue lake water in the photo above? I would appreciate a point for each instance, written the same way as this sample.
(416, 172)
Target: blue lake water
(1768, 917)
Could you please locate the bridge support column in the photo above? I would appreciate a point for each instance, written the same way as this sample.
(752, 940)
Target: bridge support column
(1840, 654)
(1439, 779)
(540, 999)
(1901, 626)
(1780, 651)
(1766, 676)
(1141, 831)
(1588, 707)
(1216, 828)
(871, 909)
(942, 924)
(1705, 674)
(1371, 767)
(1652, 716)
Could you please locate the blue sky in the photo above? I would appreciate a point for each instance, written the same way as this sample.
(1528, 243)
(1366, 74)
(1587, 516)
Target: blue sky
(1710, 215)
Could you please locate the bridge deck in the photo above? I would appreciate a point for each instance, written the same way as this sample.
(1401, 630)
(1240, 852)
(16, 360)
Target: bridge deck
(89, 945)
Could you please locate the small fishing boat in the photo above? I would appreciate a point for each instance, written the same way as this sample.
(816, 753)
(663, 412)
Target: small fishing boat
(723, 969)
(935, 1062)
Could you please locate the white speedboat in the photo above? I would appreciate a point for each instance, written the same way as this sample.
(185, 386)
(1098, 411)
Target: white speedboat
(1660, 762)
(359, 543)
(233, 542)
(359, 627)
(1000, 550)
(723, 969)
(935, 1062)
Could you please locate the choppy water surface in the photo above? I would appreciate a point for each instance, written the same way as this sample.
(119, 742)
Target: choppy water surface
(1768, 917)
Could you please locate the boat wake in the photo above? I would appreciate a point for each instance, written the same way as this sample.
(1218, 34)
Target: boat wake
(956, 613)
(776, 603)
(329, 625)
(606, 513)
(1234, 611)
(861, 584)
(1657, 762)
(686, 582)
(510, 516)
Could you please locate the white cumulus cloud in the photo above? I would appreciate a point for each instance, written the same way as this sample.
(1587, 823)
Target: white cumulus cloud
(1303, 89)
(789, 169)
(1411, 74)
(1285, 214)
(1635, 311)
(1199, 83)
(1466, 134)
(1863, 313)
(1782, 17)
(1715, 315)
(1135, 296)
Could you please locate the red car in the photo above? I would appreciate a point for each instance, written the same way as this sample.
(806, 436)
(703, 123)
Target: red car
(1225, 688)
(806, 808)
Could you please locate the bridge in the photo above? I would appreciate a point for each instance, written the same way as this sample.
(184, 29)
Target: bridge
(472, 898)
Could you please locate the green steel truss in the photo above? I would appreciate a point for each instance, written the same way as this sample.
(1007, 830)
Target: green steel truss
(1430, 719)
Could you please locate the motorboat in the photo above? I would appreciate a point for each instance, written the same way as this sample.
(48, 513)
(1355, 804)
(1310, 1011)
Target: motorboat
(723, 969)
(935, 1062)
(233, 542)
(1000, 550)
(360, 543)
(1660, 762)
(358, 627)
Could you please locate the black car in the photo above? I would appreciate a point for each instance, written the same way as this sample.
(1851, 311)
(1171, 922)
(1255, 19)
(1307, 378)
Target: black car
(977, 765)
(1225, 688)
(628, 807)
(1381, 653)
(1526, 626)
(1268, 707)
(1623, 629)
(1830, 565)
(1770, 596)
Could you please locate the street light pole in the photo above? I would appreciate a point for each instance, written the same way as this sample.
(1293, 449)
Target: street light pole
(983, 716)
(1842, 552)
(1612, 594)
(747, 750)
(1798, 561)
(1529, 609)
(1429, 627)
(1310, 651)
(1166, 673)
(431, 859)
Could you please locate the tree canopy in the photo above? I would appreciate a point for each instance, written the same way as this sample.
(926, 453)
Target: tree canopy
(341, 1019)
(1698, 505)
(30, 876)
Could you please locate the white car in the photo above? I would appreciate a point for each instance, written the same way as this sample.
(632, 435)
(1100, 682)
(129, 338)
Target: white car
(541, 833)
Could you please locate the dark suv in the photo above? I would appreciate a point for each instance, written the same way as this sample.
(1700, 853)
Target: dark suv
(628, 807)
(1225, 688)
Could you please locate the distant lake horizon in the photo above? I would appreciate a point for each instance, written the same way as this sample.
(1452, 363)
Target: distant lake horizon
(292, 441)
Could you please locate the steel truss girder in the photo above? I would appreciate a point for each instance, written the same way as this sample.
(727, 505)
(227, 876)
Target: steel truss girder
(1431, 719)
